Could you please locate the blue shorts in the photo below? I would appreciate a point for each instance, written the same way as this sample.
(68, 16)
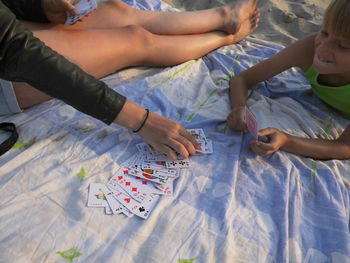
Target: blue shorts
(8, 100)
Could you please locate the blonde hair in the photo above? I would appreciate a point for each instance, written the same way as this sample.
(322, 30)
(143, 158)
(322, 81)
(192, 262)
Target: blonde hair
(337, 19)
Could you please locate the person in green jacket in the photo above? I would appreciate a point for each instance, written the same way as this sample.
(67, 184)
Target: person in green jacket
(43, 58)
(325, 58)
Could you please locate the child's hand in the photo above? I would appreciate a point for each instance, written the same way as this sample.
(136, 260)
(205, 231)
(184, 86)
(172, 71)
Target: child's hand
(275, 140)
(235, 119)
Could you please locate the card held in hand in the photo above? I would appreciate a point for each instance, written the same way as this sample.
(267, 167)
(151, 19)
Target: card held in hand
(251, 122)
(83, 8)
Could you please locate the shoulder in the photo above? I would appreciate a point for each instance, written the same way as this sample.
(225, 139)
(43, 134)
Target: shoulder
(302, 52)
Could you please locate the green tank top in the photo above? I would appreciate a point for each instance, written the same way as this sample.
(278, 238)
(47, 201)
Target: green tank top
(337, 97)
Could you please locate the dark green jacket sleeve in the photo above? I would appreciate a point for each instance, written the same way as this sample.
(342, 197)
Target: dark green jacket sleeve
(26, 9)
(25, 58)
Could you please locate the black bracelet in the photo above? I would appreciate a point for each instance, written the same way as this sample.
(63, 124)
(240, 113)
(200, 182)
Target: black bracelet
(143, 123)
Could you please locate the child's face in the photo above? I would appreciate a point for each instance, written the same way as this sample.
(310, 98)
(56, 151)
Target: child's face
(332, 55)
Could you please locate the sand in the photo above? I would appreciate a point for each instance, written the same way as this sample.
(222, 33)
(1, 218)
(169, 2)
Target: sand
(282, 21)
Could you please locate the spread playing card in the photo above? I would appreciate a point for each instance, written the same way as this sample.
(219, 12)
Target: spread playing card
(147, 176)
(167, 189)
(178, 164)
(251, 122)
(205, 146)
(198, 134)
(83, 8)
(96, 197)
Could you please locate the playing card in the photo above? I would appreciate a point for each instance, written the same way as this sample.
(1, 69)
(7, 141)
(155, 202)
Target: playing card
(96, 198)
(142, 210)
(205, 147)
(160, 168)
(116, 187)
(150, 202)
(116, 206)
(251, 122)
(108, 210)
(146, 151)
(136, 188)
(142, 175)
(161, 173)
(178, 164)
(198, 134)
(167, 189)
(83, 8)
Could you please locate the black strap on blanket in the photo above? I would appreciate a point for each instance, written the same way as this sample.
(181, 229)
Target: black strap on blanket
(11, 140)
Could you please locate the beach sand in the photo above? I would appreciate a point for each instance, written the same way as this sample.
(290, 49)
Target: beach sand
(282, 21)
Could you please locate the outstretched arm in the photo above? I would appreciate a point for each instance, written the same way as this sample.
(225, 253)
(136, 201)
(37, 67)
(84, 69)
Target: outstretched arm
(25, 58)
(314, 148)
(299, 54)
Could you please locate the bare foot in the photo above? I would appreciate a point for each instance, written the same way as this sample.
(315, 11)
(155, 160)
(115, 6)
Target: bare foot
(237, 13)
(246, 27)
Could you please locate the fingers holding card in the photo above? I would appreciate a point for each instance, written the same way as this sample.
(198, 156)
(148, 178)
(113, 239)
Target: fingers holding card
(82, 8)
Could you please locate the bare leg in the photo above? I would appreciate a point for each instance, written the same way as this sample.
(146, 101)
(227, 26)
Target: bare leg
(129, 46)
(115, 14)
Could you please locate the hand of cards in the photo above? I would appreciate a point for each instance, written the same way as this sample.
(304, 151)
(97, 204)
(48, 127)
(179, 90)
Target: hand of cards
(138, 184)
(83, 7)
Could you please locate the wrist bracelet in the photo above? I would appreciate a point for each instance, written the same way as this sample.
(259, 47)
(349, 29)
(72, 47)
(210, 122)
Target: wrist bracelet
(143, 123)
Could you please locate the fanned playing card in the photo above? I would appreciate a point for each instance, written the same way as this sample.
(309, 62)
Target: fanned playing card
(167, 189)
(158, 168)
(142, 210)
(142, 175)
(178, 164)
(83, 8)
(136, 188)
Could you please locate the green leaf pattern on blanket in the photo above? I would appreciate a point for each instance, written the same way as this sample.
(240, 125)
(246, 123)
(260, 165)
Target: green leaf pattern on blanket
(171, 76)
(20, 145)
(70, 254)
(188, 260)
(226, 128)
(193, 113)
(231, 73)
(327, 129)
(228, 77)
(81, 175)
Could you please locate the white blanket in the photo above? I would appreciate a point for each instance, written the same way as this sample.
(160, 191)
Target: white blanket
(230, 206)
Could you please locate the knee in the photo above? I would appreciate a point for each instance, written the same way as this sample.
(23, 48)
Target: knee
(140, 35)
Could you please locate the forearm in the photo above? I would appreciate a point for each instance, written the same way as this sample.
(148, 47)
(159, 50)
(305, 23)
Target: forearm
(131, 116)
(238, 92)
(317, 148)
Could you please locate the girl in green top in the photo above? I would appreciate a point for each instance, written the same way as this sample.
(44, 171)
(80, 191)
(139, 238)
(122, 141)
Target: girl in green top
(325, 57)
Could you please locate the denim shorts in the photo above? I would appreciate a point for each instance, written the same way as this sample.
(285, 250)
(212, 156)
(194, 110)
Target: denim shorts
(8, 100)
